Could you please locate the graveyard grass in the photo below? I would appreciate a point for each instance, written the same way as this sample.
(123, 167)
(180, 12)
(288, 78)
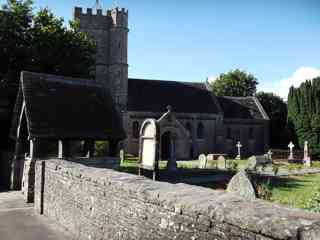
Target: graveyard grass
(293, 191)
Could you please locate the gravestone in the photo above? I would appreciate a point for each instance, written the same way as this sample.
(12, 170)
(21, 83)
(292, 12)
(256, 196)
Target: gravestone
(255, 161)
(291, 146)
(306, 157)
(148, 147)
(122, 155)
(241, 185)
(210, 157)
(269, 153)
(239, 146)
(202, 161)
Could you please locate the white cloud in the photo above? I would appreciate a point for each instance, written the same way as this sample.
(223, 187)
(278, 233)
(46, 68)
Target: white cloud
(299, 76)
(211, 79)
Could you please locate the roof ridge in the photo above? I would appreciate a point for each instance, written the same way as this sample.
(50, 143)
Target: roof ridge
(159, 80)
(63, 79)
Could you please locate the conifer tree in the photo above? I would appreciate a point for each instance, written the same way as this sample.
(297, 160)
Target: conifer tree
(304, 114)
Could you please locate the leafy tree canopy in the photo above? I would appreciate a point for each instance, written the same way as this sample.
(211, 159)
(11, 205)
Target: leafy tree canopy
(40, 42)
(235, 83)
(276, 109)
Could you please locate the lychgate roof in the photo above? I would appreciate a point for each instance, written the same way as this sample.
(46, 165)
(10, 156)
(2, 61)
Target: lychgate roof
(66, 108)
(156, 95)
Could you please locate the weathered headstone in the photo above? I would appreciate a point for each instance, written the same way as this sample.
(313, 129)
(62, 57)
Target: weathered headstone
(241, 185)
(239, 146)
(210, 157)
(269, 153)
(255, 161)
(291, 146)
(211, 161)
(122, 155)
(148, 147)
(202, 161)
(306, 157)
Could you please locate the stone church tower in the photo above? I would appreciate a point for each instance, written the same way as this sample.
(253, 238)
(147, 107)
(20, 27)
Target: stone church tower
(110, 31)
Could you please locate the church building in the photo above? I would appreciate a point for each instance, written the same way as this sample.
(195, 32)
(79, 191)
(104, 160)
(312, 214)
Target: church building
(199, 121)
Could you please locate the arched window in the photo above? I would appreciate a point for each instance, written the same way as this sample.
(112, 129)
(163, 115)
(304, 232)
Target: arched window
(200, 131)
(135, 129)
(228, 133)
(189, 128)
(251, 133)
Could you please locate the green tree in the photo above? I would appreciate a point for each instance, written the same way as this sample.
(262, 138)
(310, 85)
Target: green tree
(15, 22)
(40, 42)
(304, 114)
(235, 83)
(37, 42)
(277, 110)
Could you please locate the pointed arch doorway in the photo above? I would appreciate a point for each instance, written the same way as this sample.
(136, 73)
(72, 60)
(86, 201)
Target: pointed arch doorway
(166, 146)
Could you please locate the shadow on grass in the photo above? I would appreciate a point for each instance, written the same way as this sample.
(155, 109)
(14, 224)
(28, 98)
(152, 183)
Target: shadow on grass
(211, 178)
(287, 184)
(284, 183)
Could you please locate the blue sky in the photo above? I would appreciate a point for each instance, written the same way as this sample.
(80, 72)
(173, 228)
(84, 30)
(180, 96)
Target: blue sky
(184, 40)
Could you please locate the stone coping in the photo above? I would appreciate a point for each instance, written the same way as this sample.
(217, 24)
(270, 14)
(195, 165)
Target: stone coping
(258, 216)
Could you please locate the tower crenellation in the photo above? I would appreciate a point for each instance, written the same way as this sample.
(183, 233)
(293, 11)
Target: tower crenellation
(89, 19)
(119, 17)
(110, 32)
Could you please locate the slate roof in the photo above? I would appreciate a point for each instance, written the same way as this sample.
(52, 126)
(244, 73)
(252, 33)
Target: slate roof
(66, 108)
(242, 108)
(155, 96)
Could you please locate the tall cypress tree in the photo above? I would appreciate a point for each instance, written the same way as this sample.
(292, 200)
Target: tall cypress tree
(304, 115)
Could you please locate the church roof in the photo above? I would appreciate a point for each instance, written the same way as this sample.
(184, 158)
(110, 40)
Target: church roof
(66, 108)
(242, 108)
(184, 97)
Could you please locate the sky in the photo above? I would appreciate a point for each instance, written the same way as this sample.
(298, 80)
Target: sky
(188, 40)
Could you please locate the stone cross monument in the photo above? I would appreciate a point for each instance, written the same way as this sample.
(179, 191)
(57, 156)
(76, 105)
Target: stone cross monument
(239, 146)
(306, 157)
(269, 153)
(291, 146)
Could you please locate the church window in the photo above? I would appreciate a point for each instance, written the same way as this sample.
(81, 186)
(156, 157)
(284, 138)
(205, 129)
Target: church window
(251, 133)
(229, 133)
(135, 129)
(200, 131)
(189, 128)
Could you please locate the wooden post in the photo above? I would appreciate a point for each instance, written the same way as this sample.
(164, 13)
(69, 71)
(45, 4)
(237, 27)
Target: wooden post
(113, 145)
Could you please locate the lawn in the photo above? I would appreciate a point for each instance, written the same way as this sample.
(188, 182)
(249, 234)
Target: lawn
(294, 191)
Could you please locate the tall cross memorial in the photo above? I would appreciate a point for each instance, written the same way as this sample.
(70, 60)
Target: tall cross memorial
(291, 146)
(306, 157)
(239, 146)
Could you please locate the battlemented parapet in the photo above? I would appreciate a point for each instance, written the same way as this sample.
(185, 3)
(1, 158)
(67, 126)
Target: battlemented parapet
(91, 19)
(119, 17)
(110, 30)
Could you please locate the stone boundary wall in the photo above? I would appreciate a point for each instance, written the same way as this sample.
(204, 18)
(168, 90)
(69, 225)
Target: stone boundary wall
(99, 204)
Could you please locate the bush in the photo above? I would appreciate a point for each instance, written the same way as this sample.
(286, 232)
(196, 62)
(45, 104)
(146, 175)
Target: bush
(313, 204)
(101, 148)
(262, 187)
(264, 190)
(233, 165)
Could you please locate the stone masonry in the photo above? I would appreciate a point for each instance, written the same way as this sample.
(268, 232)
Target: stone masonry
(101, 204)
